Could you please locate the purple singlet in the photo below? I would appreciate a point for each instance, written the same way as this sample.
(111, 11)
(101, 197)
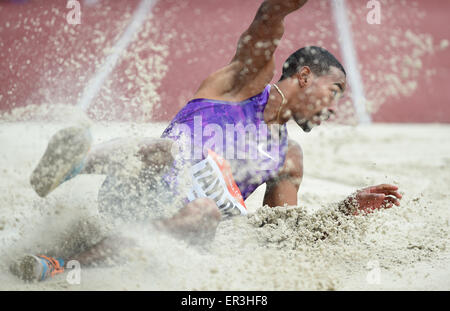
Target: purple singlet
(235, 131)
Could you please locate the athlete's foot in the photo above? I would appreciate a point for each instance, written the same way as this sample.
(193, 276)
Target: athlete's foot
(64, 158)
(37, 268)
(196, 222)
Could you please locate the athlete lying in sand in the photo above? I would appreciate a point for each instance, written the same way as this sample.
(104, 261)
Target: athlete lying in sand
(223, 166)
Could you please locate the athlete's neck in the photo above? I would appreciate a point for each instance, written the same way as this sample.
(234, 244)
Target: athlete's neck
(276, 105)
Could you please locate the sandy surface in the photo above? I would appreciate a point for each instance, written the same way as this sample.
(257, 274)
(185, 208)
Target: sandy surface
(406, 247)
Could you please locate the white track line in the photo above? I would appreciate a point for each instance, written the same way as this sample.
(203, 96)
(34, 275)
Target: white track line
(94, 85)
(350, 59)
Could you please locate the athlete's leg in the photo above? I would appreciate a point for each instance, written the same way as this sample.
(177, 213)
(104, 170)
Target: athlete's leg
(109, 249)
(69, 153)
(284, 187)
(39, 267)
(128, 156)
(196, 222)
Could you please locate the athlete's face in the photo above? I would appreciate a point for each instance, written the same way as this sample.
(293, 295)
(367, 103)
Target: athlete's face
(318, 97)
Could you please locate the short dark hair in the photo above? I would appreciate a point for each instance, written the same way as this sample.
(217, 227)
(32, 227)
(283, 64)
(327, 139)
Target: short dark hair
(316, 58)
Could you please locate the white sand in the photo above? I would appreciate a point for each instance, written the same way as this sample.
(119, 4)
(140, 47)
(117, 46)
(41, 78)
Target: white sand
(272, 249)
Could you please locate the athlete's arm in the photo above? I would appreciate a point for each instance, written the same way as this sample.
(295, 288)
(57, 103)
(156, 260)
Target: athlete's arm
(258, 43)
(251, 68)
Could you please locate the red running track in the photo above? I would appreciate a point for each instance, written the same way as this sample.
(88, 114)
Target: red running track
(405, 62)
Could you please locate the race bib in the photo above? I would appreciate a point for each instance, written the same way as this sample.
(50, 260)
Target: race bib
(212, 178)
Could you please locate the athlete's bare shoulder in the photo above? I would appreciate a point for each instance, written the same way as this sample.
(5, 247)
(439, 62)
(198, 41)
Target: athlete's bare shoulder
(221, 85)
(252, 67)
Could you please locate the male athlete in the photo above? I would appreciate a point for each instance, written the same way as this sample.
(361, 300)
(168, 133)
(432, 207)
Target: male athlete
(206, 162)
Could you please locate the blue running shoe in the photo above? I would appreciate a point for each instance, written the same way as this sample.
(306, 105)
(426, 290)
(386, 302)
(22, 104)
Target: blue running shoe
(63, 159)
(37, 268)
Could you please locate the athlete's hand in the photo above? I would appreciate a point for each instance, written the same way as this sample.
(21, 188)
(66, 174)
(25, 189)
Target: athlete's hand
(369, 199)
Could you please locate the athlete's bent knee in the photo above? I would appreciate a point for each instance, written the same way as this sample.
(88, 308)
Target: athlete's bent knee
(207, 207)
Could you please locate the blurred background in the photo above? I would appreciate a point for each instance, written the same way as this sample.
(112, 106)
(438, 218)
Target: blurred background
(47, 61)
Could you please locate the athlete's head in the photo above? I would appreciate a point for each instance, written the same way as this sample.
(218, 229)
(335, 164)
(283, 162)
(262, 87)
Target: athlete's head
(317, 81)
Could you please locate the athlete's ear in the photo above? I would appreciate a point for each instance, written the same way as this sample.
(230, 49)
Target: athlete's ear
(304, 76)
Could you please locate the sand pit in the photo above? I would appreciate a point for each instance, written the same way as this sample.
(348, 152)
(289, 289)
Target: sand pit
(405, 247)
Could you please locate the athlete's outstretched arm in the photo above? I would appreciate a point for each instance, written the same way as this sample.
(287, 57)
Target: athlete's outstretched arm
(258, 43)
